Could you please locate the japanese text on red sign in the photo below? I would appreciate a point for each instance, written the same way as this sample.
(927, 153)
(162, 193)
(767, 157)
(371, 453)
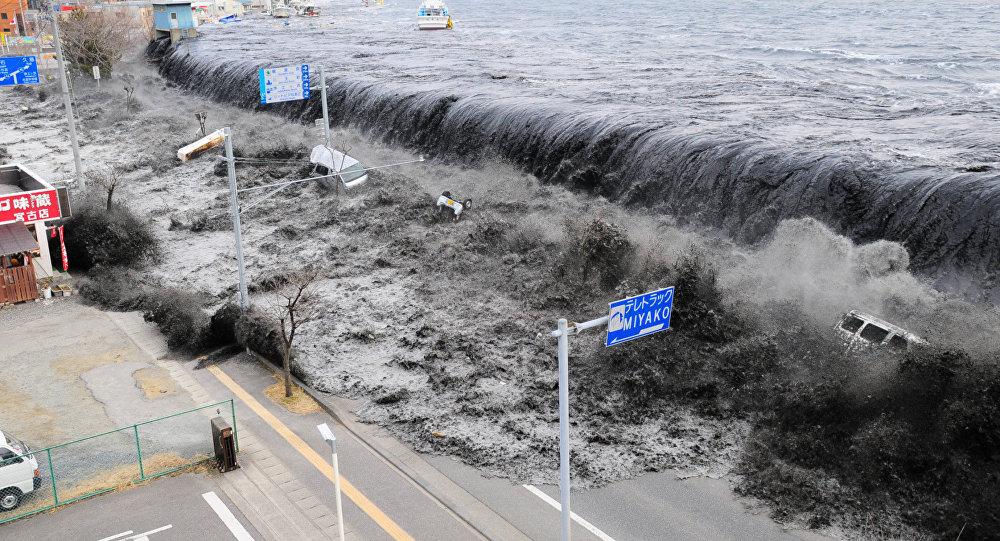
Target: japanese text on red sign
(29, 207)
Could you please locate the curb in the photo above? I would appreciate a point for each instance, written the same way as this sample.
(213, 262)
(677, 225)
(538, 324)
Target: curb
(344, 417)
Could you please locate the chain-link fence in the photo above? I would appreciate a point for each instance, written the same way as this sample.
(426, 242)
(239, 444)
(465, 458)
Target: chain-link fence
(33, 481)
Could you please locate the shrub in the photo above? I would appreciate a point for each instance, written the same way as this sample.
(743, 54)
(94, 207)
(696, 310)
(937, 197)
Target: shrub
(258, 332)
(177, 313)
(179, 316)
(95, 236)
(114, 288)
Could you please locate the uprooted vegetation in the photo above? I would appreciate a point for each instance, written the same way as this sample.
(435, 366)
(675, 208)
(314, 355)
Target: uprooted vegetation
(435, 323)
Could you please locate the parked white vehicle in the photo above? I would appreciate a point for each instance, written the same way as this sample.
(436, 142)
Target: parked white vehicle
(861, 329)
(18, 472)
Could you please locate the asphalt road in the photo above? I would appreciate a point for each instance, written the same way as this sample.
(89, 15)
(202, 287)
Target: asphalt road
(654, 506)
(396, 496)
(167, 509)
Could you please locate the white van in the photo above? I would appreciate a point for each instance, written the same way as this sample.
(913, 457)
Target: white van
(329, 161)
(18, 472)
(861, 329)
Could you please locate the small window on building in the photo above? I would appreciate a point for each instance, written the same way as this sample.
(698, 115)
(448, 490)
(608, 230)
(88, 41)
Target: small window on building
(173, 15)
(3, 16)
(851, 324)
(873, 333)
(897, 343)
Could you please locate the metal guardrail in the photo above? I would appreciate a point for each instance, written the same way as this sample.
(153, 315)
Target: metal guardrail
(104, 462)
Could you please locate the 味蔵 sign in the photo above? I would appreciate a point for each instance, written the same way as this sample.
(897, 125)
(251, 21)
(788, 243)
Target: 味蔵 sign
(29, 207)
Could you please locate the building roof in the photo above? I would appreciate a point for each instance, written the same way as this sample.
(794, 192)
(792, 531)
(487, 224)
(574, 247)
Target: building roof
(171, 2)
(15, 238)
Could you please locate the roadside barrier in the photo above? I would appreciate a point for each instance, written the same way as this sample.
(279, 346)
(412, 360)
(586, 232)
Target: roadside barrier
(104, 462)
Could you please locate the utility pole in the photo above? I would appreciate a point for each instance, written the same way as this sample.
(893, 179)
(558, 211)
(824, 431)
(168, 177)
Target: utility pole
(68, 103)
(326, 115)
(231, 167)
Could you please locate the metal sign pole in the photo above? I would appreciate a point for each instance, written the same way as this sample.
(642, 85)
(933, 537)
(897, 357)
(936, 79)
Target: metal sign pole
(326, 115)
(67, 102)
(231, 167)
(562, 333)
(564, 427)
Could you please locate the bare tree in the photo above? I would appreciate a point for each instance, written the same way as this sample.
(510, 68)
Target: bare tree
(99, 35)
(294, 306)
(108, 179)
(129, 87)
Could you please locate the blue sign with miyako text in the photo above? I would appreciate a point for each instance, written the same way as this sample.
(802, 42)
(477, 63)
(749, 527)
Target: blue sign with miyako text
(18, 70)
(639, 316)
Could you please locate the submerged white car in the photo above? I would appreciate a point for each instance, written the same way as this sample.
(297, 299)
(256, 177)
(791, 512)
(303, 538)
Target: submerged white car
(18, 472)
(861, 329)
(328, 161)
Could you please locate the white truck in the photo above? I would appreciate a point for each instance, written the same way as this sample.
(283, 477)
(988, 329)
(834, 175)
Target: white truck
(18, 472)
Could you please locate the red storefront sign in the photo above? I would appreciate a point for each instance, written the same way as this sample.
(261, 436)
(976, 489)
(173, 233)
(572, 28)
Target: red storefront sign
(29, 207)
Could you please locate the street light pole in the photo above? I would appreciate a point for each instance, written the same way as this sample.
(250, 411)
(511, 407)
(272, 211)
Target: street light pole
(231, 168)
(327, 434)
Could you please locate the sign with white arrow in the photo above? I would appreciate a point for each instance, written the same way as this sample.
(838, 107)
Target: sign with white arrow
(639, 316)
(18, 70)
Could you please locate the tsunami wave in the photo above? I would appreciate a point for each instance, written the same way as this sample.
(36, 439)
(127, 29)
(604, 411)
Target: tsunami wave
(947, 218)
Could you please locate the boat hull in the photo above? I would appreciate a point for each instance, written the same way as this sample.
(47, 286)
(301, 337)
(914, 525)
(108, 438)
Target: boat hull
(432, 22)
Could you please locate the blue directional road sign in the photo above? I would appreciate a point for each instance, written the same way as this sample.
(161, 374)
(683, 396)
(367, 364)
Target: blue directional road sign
(639, 316)
(18, 70)
(284, 84)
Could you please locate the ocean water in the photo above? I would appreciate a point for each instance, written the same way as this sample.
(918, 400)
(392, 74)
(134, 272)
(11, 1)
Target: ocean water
(879, 118)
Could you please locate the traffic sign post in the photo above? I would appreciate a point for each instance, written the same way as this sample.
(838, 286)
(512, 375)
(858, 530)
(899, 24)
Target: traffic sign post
(627, 319)
(18, 70)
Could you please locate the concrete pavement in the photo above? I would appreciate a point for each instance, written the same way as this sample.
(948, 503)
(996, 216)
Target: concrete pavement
(169, 509)
(273, 499)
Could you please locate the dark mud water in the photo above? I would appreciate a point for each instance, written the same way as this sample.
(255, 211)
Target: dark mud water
(877, 120)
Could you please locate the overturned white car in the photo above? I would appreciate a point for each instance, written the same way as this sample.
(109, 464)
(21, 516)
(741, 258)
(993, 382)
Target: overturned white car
(328, 161)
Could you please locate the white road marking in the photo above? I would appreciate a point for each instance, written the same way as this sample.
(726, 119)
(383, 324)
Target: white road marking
(227, 517)
(116, 536)
(145, 536)
(588, 526)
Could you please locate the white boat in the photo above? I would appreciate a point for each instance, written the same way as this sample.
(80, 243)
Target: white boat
(433, 16)
(308, 10)
(282, 12)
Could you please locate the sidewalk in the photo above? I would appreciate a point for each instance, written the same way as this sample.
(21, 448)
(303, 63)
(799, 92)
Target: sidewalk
(275, 502)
